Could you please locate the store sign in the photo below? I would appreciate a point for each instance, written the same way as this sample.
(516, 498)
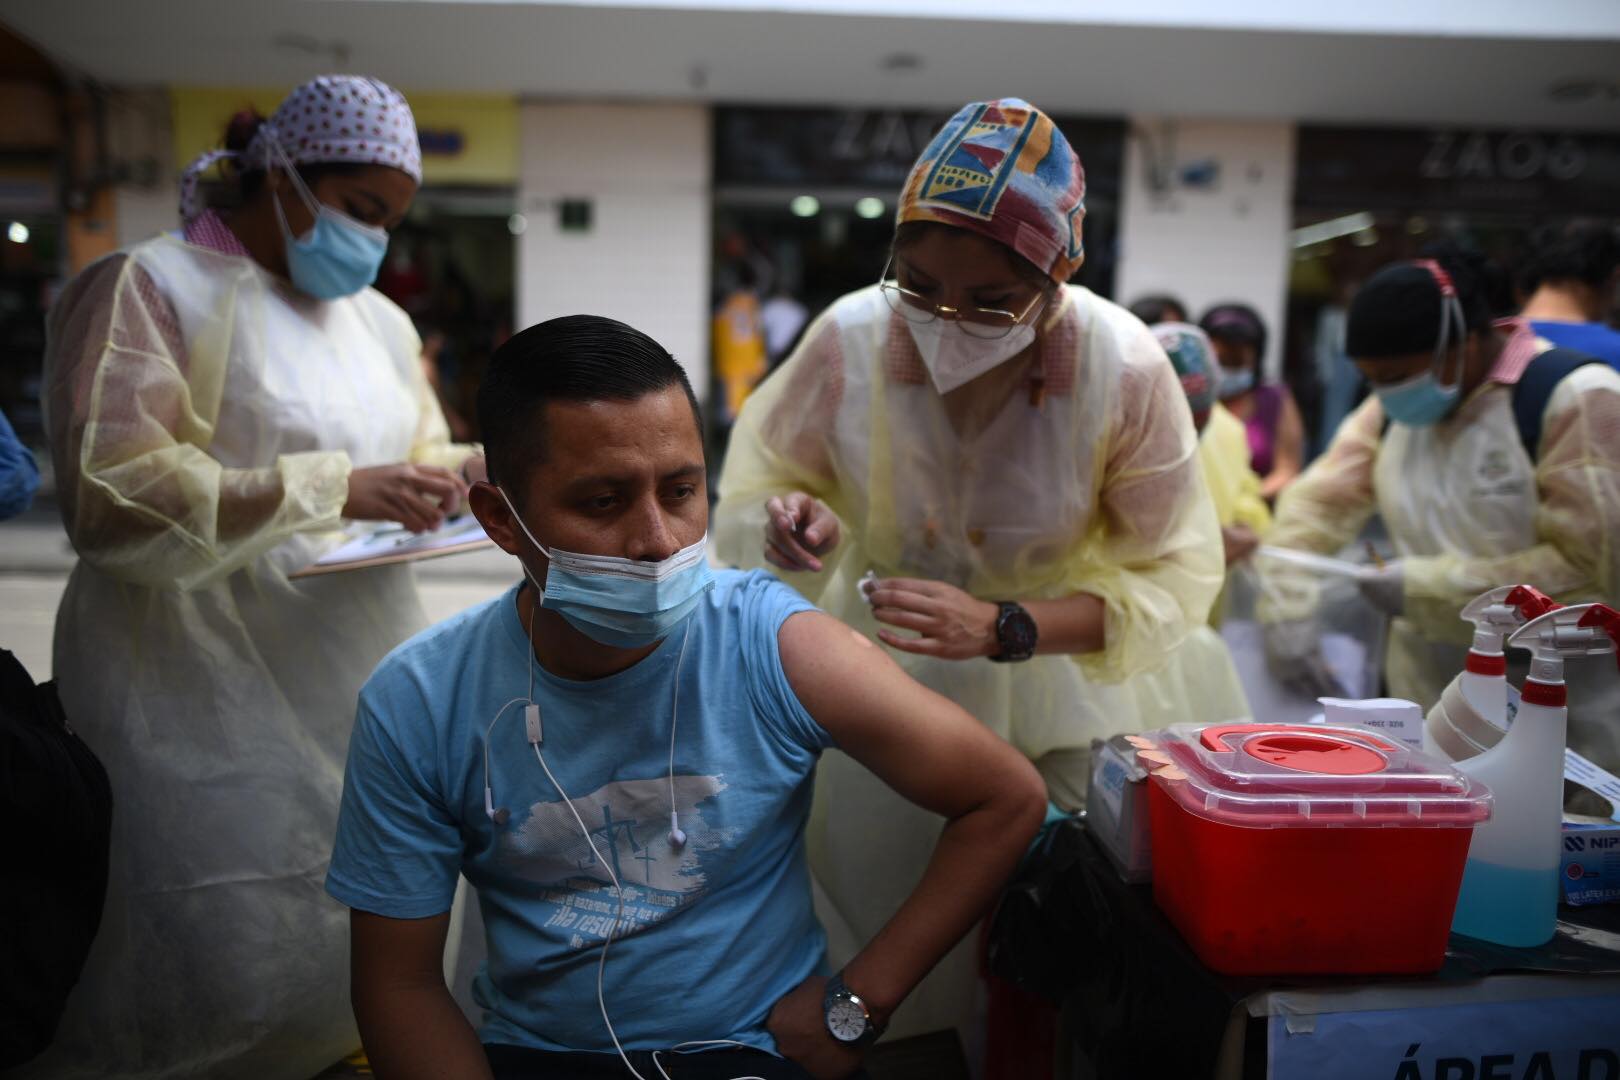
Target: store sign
(1453, 169)
(1550, 1039)
(869, 148)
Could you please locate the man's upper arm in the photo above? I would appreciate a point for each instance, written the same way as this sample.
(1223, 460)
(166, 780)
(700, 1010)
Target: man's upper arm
(919, 743)
(398, 848)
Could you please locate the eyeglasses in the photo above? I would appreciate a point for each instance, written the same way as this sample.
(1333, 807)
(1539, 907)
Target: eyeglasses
(987, 323)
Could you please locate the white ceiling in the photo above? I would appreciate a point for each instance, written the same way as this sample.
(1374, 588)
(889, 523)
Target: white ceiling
(585, 50)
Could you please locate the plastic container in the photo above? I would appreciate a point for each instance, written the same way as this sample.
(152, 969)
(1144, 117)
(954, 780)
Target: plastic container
(1283, 849)
(1474, 709)
(1117, 807)
(1510, 889)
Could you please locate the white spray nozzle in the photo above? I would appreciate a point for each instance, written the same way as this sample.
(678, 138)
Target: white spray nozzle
(1566, 633)
(1500, 612)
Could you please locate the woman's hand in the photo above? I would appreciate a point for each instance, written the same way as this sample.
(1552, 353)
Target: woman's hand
(799, 529)
(1240, 542)
(798, 1023)
(949, 623)
(419, 497)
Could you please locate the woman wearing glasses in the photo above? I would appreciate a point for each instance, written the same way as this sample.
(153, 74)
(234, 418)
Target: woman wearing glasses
(996, 474)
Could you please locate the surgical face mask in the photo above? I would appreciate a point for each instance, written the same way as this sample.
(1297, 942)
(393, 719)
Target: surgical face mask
(625, 603)
(954, 357)
(1423, 399)
(1419, 401)
(1233, 383)
(339, 256)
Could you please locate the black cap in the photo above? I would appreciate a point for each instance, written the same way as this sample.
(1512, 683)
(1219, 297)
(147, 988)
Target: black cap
(1397, 312)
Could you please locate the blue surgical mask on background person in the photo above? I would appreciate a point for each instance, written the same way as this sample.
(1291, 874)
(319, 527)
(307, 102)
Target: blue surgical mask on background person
(625, 603)
(1232, 383)
(1423, 399)
(1418, 401)
(338, 256)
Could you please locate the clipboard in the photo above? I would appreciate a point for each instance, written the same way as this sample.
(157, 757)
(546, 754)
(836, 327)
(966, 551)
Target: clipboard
(390, 544)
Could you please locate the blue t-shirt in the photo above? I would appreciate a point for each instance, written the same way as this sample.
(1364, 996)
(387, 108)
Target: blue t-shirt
(713, 932)
(1593, 339)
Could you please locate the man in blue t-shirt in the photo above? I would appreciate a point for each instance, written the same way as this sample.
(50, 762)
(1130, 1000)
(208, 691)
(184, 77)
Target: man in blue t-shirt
(1570, 283)
(622, 765)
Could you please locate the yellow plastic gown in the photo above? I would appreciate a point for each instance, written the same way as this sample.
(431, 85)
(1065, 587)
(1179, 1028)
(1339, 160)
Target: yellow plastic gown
(1085, 479)
(1223, 451)
(203, 420)
(1468, 510)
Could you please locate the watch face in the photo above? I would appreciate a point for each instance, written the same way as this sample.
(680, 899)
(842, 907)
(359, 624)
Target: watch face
(846, 1020)
(1017, 631)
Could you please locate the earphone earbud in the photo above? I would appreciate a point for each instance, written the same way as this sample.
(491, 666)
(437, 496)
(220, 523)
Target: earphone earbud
(498, 816)
(676, 837)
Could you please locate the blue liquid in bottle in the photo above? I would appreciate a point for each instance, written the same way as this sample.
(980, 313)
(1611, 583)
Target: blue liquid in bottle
(1506, 905)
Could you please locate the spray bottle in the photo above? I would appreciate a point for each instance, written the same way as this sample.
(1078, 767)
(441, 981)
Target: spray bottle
(1510, 885)
(1472, 712)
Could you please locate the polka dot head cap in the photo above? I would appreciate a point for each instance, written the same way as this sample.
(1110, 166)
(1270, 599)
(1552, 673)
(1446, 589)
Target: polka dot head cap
(334, 119)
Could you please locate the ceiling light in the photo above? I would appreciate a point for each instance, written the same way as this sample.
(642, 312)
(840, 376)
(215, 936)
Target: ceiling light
(869, 208)
(17, 233)
(805, 206)
(1365, 238)
(1332, 229)
(517, 224)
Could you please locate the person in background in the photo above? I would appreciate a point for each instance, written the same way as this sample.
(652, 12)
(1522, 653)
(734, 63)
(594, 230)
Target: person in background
(1572, 281)
(221, 402)
(1492, 459)
(783, 318)
(434, 343)
(1158, 308)
(991, 471)
(19, 475)
(1276, 433)
(1223, 450)
(738, 334)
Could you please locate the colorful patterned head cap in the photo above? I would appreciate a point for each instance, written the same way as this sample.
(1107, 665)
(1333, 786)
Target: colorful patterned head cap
(333, 119)
(1003, 170)
(1193, 357)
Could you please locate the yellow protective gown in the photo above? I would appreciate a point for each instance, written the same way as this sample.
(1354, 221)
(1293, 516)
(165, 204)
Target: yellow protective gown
(1223, 452)
(1468, 510)
(203, 420)
(1085, 479)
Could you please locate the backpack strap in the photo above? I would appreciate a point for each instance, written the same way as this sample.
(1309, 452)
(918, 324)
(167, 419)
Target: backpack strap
(1535, 389)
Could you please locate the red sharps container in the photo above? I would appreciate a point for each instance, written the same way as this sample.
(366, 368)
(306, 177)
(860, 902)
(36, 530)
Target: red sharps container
(1307, 849)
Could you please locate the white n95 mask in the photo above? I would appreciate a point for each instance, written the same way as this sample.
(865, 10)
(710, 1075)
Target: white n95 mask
(953, 357)
(625, 603)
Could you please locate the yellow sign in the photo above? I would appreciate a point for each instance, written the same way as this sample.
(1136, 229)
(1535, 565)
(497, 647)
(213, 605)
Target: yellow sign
(466, 138)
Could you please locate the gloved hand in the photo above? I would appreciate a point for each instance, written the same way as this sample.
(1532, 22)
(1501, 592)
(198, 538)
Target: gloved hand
(1384, 589)
(1294, 658)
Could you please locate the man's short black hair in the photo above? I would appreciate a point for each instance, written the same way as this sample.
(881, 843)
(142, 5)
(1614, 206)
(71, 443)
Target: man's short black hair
(574, 358)
(1589, 254)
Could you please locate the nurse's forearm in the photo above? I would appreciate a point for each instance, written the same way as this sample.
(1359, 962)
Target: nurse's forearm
(1068, 626)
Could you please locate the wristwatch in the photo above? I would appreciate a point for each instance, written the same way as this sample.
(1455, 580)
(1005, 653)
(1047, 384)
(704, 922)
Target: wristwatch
(848, 1018)
(1015, 632)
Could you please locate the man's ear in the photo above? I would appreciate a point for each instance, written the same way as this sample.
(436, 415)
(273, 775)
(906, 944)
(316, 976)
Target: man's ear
(496, 517)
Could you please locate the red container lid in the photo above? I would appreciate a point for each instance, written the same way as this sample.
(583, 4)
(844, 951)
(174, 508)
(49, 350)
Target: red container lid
(1272, 776)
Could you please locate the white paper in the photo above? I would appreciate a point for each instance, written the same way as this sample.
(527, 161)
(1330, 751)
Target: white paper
(398, 540)
(1322, 564)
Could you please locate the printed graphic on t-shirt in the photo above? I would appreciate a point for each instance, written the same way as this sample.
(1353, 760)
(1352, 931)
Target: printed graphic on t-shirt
(629, 822)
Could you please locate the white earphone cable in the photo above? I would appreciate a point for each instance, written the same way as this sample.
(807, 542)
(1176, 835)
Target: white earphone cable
(677, 838)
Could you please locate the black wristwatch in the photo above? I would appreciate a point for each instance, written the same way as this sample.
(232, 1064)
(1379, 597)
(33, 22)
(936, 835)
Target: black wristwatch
(848, 1018)
(1015, 632)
